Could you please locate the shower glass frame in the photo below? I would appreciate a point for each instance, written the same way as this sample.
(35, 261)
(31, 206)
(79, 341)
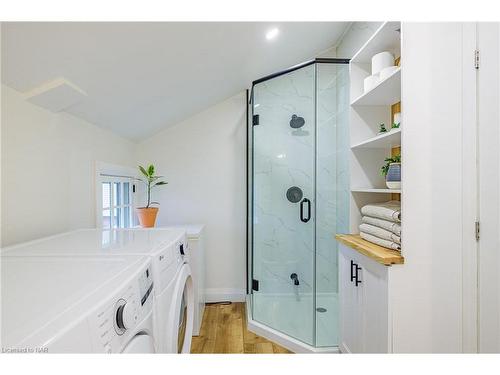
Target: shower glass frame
(250, 192)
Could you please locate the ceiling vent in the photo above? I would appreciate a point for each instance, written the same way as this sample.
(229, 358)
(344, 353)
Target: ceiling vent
(56, 95)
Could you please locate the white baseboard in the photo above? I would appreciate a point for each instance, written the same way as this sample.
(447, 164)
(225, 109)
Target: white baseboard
(225, 294)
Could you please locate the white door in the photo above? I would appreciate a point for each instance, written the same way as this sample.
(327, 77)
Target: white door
(489, 187)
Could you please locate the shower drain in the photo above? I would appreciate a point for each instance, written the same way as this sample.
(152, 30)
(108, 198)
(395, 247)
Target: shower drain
(321, 309)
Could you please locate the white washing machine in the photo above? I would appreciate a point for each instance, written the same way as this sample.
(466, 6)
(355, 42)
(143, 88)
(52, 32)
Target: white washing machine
(173, 296)
(77, 304)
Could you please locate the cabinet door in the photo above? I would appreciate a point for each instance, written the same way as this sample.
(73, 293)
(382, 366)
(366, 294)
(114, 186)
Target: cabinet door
(373, 304)
(350, 308)
(364, 315)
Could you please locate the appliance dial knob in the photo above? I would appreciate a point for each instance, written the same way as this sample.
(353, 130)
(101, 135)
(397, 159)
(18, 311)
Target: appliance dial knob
(125, 316)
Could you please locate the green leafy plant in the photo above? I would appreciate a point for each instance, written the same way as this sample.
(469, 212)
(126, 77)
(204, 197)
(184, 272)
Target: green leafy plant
(151, 181)
(395, 126)
(388, 161)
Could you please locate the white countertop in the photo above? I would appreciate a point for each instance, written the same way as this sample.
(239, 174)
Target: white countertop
(99, 242)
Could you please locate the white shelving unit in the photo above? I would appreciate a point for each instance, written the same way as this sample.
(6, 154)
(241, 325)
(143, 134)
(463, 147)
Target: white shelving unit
(386, 140)
(387, 92)
(386, 38)
(366, 318)
(375, 190)
(369, 110)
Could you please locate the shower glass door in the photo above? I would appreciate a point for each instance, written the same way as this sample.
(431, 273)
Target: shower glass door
(299, 198)
(283, 197)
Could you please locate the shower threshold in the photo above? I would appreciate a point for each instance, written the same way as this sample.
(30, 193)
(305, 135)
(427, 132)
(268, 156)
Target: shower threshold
(280, 338)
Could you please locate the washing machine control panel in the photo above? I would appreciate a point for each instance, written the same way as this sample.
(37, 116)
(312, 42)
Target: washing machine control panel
(116, 320)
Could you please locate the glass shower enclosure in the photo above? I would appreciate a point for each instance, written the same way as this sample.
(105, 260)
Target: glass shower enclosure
(298, 198)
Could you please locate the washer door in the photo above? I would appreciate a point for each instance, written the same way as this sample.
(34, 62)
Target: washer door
(181, 326)
(141, 343)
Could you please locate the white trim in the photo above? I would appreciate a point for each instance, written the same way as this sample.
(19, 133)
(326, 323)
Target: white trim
(488, 282)
(470, 207)
(280, 338)
(224, 294)
(114, 169)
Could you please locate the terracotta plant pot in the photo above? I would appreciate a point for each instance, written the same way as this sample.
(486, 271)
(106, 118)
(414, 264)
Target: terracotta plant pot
(147, 216)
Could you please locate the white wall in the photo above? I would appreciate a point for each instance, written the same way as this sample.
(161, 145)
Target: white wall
(48, 169)
(203, 159)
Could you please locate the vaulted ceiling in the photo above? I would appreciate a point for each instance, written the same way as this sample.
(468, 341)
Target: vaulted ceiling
(143, 77)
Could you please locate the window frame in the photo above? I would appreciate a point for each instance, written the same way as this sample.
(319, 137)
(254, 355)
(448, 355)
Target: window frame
(119, 206)
(115, 174)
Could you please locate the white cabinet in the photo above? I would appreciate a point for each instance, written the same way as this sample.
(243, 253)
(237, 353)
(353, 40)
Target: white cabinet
(364, 303)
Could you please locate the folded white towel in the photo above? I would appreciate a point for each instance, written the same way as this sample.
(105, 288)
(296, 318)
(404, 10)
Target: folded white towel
(384, 224)
(378, 241)
(387, 210)
(380, 233)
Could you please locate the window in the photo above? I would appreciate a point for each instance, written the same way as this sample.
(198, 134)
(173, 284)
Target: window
(117, 202)
(115, 191)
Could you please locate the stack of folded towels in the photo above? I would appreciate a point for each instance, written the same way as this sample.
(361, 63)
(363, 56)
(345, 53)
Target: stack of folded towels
(381, 224)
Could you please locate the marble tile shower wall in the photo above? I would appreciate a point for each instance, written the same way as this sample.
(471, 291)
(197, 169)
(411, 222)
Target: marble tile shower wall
(284, 157)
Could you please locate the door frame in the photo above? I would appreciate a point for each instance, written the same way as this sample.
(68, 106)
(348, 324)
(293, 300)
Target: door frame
(488, 280)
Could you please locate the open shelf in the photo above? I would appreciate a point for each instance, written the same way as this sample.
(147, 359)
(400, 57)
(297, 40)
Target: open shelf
(378, 253)
(367, 110)
(376, 190)
(386, 38)
(385, 140)
(387, 92)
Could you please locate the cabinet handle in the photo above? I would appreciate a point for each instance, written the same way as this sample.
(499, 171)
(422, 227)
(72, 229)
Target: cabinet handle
(352, 273)
(357, 275)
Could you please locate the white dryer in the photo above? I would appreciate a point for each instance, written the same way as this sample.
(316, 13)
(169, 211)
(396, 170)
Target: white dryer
(77, 304)
(173, 293)
(195, 257)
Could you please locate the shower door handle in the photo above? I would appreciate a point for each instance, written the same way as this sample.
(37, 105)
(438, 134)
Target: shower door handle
(308, 217)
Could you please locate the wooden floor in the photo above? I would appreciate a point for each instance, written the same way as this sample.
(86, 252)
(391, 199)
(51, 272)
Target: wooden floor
(224, 330)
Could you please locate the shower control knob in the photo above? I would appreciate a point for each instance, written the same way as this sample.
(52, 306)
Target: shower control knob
(297, 122)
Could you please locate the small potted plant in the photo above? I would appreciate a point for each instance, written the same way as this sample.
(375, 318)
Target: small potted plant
(147, 215)
(382, 129)
(392, 172)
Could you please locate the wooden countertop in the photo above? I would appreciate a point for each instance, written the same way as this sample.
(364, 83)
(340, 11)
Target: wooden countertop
(378, 253)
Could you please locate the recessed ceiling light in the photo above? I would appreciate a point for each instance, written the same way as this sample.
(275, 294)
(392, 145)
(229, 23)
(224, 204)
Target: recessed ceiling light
(273, 33)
